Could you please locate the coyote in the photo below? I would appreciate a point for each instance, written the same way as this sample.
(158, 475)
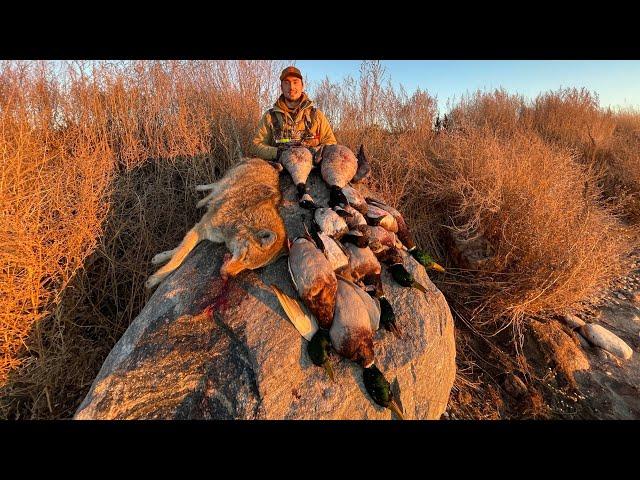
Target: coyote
(243, 214)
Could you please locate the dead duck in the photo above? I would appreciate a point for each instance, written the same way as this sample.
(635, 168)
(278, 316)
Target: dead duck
(298, 161)
(356, 319)
(363, 265)
(357, 236)
(333, 250)
(338, 166)
(364, 268)
(379, 217)
(314, 279)
(355, 199)
(381, 239)
(329, 222)
(406, 236)
(352, 216)
(354, 323)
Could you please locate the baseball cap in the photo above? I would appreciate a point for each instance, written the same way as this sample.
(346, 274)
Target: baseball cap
(290, 71)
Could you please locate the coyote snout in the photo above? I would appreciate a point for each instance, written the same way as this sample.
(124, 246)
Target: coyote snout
(243, 214)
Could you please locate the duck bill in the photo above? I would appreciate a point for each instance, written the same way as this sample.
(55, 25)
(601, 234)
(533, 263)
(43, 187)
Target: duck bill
(419, 287)
(329, 369)
(393, 406)
(437, 268)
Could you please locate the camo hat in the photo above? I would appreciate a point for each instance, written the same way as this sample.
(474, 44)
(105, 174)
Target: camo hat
(290, 71)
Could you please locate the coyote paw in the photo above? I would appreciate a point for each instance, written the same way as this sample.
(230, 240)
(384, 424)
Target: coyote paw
(151, 282)
(159, 258)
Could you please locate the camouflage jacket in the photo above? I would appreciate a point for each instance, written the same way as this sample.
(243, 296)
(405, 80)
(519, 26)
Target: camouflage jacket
(293, 125)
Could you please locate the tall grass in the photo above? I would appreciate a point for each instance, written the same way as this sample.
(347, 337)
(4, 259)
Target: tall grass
(99, 161)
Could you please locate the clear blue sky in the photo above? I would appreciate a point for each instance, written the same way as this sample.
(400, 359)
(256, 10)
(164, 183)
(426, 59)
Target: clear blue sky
(617, 82)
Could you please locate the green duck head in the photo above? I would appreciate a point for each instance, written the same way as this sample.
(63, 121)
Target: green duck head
(318, 349)
(425, 260)
(379, 389)
(404, 278)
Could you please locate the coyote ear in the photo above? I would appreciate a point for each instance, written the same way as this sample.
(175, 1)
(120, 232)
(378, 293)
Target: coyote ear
(266, 237)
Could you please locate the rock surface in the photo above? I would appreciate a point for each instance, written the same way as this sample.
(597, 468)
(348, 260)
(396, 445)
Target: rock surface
(572, 321)
(603, 338)
(203, 349)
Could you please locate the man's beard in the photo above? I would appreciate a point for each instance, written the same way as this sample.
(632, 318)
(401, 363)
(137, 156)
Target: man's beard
(291, 100)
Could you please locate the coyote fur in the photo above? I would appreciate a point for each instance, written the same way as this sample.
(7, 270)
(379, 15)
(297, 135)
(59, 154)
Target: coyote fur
(243, 214)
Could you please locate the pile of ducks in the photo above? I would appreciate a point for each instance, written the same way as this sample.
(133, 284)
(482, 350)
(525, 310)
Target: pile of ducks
(336, 266)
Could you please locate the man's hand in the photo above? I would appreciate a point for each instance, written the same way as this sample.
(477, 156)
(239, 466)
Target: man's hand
(281, 149)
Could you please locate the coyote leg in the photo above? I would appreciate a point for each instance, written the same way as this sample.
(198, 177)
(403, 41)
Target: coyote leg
(163, 257)
(203, 188)
(190, 240)
(206, 199)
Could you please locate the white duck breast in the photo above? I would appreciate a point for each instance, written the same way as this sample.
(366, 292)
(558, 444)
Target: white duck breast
(355, 199)
(334, 253)
(382, 218)
(351, 331)
(362, 263)
(372, 304)
(338, 166)
(298, 161)
(330, 223)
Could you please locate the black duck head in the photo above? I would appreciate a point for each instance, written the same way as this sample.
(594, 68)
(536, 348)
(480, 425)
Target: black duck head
(336, 197)
(379, 389)
(404, 278)
(318, 349)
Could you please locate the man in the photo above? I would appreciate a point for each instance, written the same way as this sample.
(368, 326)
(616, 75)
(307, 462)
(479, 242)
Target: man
(293, 118)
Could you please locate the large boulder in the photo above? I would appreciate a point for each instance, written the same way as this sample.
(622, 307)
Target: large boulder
(203, 349)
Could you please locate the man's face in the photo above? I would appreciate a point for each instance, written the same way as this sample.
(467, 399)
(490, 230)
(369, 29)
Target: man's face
(291, 88)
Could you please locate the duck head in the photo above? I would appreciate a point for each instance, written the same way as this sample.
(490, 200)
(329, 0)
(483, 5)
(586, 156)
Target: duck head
(380, 389)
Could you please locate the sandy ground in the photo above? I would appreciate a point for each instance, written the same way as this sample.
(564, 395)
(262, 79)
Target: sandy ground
(611, 387)
(606, 387)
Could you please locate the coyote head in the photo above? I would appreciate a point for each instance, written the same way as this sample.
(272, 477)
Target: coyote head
(252, 249)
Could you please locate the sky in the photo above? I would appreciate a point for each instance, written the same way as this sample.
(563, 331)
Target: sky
(617, 82)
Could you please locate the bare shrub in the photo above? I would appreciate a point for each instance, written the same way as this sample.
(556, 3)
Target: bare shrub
(555, 243)
(572, 118)
(497, 111)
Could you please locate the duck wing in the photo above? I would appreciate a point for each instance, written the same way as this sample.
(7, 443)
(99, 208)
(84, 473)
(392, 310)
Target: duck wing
(302, 320)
